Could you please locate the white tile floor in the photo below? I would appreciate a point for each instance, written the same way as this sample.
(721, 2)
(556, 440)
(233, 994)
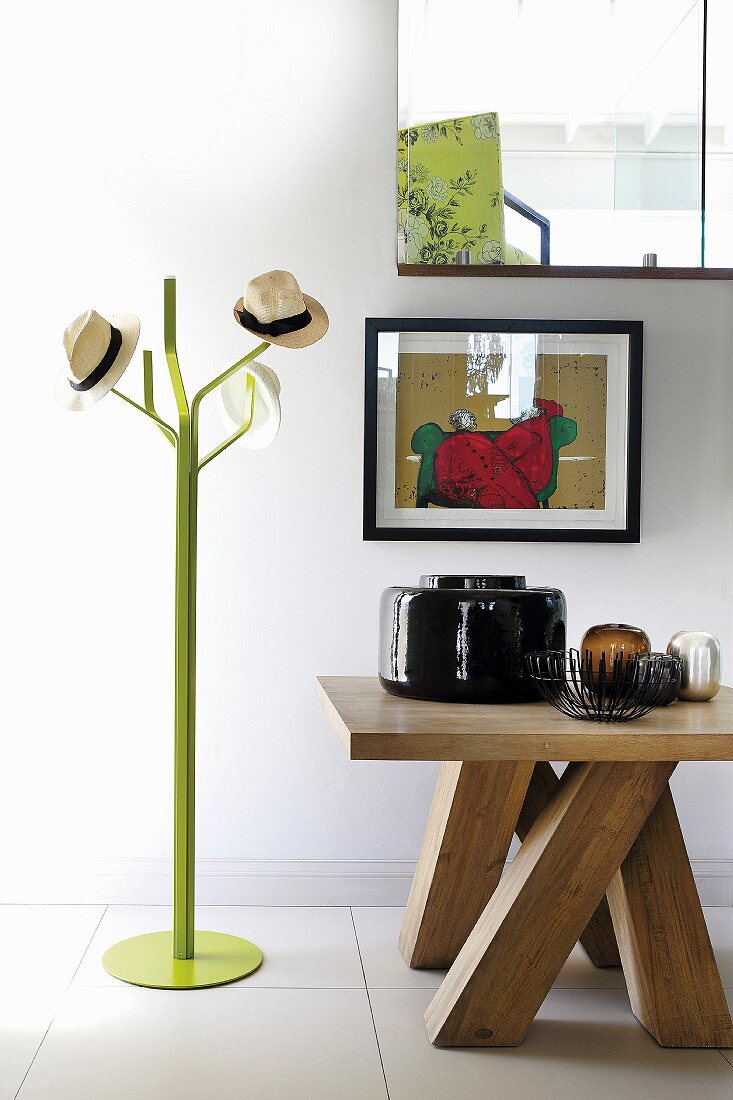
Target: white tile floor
(332, 1013)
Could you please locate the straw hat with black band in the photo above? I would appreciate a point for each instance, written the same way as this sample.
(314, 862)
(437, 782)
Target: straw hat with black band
(98, 351)
(274, 308)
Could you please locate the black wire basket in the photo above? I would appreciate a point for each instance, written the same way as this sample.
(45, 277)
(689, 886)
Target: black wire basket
(618, 691)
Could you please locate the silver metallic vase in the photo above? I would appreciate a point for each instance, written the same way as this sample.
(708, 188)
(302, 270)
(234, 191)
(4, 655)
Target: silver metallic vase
(700, 653)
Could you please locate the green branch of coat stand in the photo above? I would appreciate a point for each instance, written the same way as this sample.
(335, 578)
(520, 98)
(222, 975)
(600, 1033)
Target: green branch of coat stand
(158, 959)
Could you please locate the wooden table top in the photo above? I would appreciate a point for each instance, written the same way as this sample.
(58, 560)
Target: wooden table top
(376, 726)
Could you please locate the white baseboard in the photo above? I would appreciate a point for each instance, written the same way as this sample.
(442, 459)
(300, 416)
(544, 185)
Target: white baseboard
(259, 882)
(714, 879)
(218, 882)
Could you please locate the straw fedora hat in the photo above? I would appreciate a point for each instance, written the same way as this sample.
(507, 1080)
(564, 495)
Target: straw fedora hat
(98, 351)
(234, 405)
(274, 308)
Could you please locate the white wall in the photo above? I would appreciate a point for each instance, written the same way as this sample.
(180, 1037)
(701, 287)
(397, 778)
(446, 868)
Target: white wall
(214, 142)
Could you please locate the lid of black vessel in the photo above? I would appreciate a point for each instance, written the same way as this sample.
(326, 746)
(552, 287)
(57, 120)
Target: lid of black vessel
(443, 580)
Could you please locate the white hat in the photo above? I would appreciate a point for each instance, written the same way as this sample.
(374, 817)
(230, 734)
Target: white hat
(98, 351)
(234, 405)
(274, 308)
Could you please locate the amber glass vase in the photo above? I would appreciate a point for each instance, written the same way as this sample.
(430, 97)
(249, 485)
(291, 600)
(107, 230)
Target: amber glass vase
(613, 640)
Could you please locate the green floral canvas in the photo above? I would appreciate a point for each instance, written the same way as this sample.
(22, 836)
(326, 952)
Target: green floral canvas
(450, 192)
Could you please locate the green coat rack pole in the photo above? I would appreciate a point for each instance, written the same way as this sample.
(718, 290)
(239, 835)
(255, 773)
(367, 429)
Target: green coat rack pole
(185, 958)
(184, 782)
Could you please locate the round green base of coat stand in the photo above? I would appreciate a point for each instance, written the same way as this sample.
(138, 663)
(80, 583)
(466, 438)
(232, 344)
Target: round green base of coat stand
(148, 960)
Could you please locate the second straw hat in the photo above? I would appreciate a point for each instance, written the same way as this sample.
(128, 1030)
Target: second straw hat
(274, 308)
(98, 352)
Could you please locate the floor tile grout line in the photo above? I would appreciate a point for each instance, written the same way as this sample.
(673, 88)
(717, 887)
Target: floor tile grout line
(725, 1057)
(52, 904)
(369, 1002)
(201, 905)
(240, 985)
(60, 1001)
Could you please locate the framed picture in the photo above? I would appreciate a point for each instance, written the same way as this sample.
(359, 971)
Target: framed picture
(519, 430)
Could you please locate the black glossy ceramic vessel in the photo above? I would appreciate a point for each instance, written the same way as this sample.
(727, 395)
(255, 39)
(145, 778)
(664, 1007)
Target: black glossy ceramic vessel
(466, 639)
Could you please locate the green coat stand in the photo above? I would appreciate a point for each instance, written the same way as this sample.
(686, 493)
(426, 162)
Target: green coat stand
(185, 958)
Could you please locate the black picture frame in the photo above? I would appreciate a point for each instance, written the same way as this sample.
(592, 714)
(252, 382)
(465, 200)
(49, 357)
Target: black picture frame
(630, 533)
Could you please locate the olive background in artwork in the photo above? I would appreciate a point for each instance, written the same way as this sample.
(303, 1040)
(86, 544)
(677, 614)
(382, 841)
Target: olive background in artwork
(432, 386)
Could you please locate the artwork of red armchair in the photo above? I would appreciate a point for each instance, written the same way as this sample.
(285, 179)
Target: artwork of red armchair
(508, 469)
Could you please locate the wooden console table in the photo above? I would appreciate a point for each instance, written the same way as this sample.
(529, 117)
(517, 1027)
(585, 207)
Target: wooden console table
(602, 858)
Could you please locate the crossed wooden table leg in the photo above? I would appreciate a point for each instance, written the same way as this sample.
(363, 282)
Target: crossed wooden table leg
(602, 860)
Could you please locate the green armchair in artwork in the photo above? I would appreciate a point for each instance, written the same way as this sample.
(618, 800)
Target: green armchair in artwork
(451, 196)
(513, 468)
